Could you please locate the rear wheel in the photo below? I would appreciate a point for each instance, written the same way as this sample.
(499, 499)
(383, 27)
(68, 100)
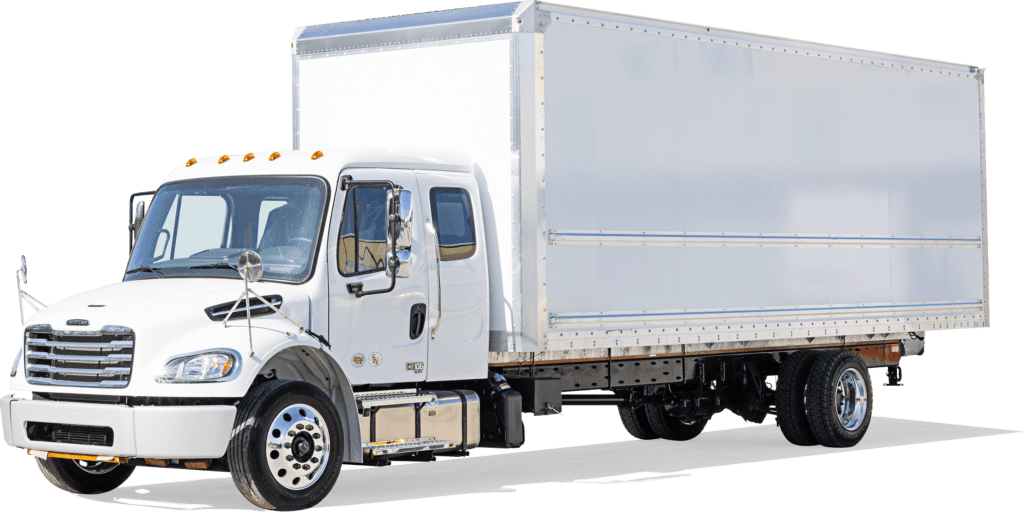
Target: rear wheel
(789, 400)
(636, 423)
(285, 452)
(673, 428)
(839, 399)
(84, 477)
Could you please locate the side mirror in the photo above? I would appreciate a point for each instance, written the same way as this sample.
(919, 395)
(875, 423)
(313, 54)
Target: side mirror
(140, 215)
(401, 234)
(23, 270)
(164, 235)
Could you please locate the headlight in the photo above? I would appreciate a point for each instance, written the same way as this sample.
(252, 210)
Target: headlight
(17, 360)
(214, 366)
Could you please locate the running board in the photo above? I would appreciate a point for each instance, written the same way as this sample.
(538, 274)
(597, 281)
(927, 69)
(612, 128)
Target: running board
(368, 399)
(404, 446)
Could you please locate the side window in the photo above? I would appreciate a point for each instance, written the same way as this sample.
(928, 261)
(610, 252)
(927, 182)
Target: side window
(453, 219)
(362, 239)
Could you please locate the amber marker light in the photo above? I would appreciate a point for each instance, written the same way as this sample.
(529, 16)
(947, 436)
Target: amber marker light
(318, 154)
(274, 156)
(223, 159)
(248, 157)
(190, 162)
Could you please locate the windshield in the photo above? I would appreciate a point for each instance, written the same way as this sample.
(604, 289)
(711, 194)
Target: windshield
(198, 228)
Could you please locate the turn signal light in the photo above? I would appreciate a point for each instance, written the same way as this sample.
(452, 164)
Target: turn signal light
(190, 162)
(223, 159)
(318, 154)
(274, 156)
(248, 157)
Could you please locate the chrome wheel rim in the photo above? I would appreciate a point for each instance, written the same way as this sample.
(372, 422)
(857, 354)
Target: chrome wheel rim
(298, 446)
(94, 467)
(851, 399)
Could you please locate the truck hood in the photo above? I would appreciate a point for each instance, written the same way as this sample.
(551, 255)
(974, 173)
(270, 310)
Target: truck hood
(169, 318)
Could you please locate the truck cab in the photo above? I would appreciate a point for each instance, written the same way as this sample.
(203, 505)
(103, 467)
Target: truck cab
(374, 277)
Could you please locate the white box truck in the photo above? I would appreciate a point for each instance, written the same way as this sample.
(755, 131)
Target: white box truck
(510, 209)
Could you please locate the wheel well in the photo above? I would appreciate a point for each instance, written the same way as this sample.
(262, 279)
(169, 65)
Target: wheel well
(320, 369)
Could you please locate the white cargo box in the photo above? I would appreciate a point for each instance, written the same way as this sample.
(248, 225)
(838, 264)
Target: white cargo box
(649, 183)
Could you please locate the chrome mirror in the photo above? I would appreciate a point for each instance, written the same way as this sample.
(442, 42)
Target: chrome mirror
(403, 262)
(140, 215)
(24, 270)
(403, 238)
(250, 266)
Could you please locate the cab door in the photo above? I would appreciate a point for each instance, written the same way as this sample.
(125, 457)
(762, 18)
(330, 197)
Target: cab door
(377, 336)
(458, 263)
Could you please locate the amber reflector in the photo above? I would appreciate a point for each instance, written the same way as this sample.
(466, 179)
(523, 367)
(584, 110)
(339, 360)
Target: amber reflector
(274, 156)
(223, 159)
(190, 162)
(248, 157)
(318, 154)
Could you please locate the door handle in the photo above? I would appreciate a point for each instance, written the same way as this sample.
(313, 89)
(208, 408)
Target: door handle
(417, 319)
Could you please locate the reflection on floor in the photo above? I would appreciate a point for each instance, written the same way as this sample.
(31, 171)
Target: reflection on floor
(610, 463)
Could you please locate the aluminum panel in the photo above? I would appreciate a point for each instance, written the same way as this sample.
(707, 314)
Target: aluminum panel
(425, 96)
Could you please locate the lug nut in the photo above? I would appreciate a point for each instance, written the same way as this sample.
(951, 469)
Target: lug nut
(296, 465)
(287, 445)
(319, 448)
(289, 458)
(305, 466)
(291, 433)
(309, 427)
(314, 460)
(316, 436)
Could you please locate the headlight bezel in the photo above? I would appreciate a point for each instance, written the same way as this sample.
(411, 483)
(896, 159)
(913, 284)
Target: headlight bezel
(182, 360)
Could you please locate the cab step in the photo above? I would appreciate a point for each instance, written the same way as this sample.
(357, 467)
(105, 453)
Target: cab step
(404, 446)
(368, 399)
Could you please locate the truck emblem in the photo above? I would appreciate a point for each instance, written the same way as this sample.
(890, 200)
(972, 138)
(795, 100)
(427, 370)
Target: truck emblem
(78, 321)
(358, 360)
(416, 367)
(376, 359)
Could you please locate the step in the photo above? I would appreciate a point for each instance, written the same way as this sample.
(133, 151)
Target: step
(367, 399)
(402, 446)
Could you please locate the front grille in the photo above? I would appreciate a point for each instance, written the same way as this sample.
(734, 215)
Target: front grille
(72, 434)
(98, 359)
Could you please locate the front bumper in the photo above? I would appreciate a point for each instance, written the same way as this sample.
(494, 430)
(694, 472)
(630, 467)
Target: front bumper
(158, 432)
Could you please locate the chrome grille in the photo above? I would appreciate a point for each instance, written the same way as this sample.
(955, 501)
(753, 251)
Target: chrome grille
(97, 359)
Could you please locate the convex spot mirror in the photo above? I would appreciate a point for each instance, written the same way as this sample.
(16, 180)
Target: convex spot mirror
(250, 266)
(23, 270)
(400, 234)
(402, 261)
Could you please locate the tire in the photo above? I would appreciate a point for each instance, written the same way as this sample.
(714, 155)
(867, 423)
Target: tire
(789, 399)
(84, 477)
(839, 399)
(636, 423)
(268, 440)
(672, 428)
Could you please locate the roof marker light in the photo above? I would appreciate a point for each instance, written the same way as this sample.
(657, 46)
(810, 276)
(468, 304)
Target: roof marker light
(274, 156)
(248, 157)
(318, 154)
(190, 162)
(223, 159)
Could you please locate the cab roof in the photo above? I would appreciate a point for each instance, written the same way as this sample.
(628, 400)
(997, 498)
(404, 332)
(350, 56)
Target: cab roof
(328, 166)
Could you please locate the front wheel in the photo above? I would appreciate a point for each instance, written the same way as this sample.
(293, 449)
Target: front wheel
(285, 449)
(84, 477)
(839, 399)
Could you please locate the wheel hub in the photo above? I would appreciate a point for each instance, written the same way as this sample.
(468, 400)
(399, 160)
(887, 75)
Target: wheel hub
(851, 399)
(298, 446)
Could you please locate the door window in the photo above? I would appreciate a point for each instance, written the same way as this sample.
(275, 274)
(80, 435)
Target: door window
(362, 240)
(453, 220)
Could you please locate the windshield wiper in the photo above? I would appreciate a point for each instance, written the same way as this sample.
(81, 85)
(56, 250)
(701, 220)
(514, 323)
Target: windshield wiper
(225, 266)
(155, 270)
